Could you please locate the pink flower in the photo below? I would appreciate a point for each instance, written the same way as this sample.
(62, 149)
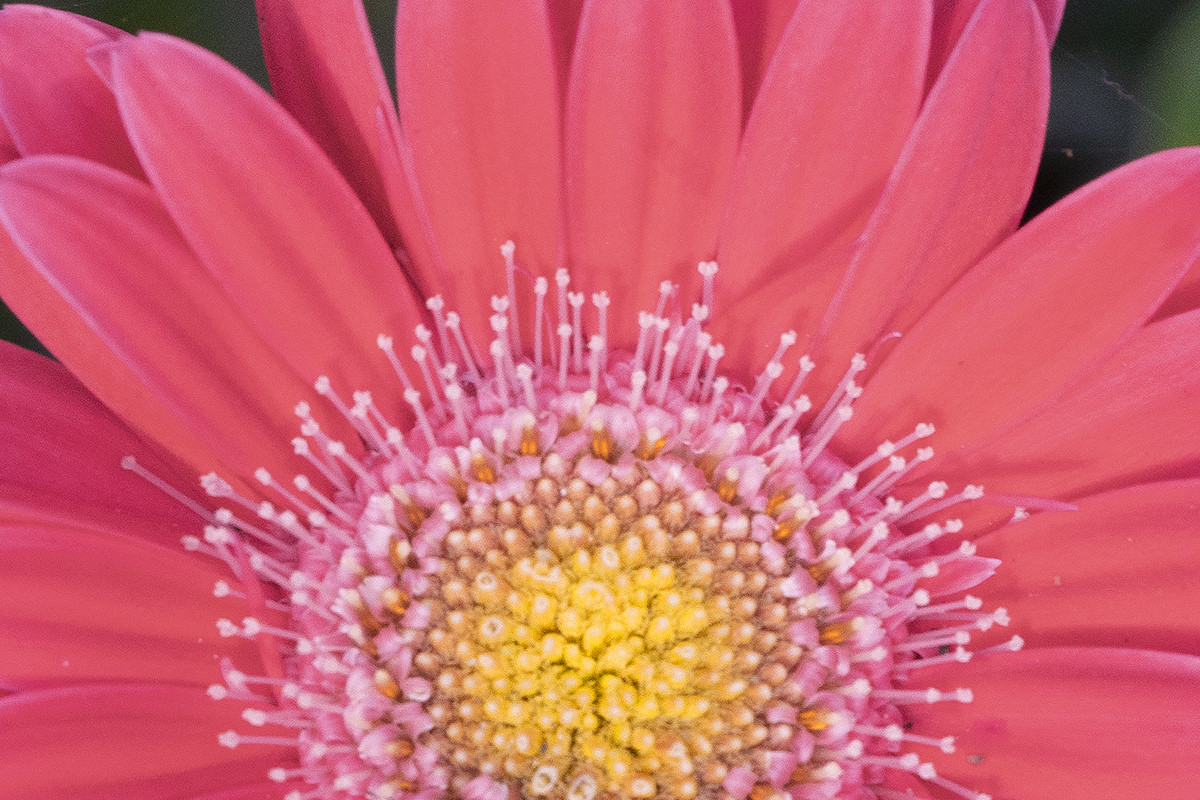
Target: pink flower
(528, 540)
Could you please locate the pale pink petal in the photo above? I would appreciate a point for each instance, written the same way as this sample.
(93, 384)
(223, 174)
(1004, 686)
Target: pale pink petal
(126, 742)
(78, 606)
(325, 70)
(1071, 724)
(50, 99)
(835, 108)
(104, 243)
(1132, 420)
(480, 108)
(264, 209)
(62, 457)
(647, 179)
(1056, 297)
(1122, 571)
(760, 25)
(959, 188)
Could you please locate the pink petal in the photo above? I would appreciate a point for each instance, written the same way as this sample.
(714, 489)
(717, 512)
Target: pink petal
(33, 299)
(1122, 571)
(255, 791)
(950, 19)
(50, 98)
(420, 257)
(647, 179)
(1052, 13)
(264, 209)
(1185, 297)
(62, 456)
(564, 25)
(835, 107)
(1071, 724)
(8, 149)
(79, 606)
(126, 742)
(1059, 295)
(325, 70)
(760, 25)
(477, 94)
(1132, 420)
(959, 188)
(103, 241)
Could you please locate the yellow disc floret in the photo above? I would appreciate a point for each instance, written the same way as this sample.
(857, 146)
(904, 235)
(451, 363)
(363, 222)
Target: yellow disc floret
(585, 645)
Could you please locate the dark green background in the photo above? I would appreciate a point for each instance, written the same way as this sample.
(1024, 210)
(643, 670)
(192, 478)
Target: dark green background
(1126, 77)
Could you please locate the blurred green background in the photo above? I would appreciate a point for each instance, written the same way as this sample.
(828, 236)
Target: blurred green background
(1126, 78)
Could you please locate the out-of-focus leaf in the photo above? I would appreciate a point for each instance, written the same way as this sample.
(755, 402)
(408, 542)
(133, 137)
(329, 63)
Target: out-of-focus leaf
(1172, 90)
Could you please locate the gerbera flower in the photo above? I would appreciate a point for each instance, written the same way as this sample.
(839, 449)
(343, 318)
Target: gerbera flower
(509, 490)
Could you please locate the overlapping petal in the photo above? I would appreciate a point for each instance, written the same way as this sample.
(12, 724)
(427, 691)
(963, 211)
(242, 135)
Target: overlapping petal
(62, 453)
(79, 606)
(959, 187)
(325, 70)
(951, 17)
(1039, 715)
(1131, 420)
(834, 110)
(1121, 571)
(1026, 321)
(760, 26)
(263, 208)
(104, 244)
(634, 222)
(478, 100)
(127, 742)
(564, 25)
(50, 98)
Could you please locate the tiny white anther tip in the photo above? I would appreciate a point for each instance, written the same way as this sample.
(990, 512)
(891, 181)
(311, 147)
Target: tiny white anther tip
(254, 716)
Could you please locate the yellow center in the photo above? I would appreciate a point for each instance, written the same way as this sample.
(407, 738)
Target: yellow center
(603, 644)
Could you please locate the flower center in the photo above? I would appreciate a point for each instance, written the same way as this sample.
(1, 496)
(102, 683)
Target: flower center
(583, 638)
(596, 574)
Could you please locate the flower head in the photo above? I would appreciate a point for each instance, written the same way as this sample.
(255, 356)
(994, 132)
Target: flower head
(508, 489)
